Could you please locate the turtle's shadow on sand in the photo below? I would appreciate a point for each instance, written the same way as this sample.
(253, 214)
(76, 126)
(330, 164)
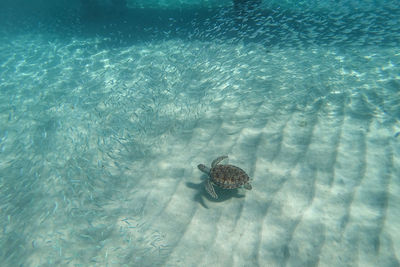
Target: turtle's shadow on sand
(201, 193)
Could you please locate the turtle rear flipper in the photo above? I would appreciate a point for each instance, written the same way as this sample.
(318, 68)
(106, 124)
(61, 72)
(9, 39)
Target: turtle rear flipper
(247, 186)
(210, 189)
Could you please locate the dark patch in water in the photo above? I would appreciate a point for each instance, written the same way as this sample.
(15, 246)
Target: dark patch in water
(242, 21)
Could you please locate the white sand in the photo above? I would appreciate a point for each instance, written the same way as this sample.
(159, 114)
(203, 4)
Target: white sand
(99, 155)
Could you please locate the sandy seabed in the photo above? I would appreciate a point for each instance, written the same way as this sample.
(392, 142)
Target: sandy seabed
(99, 153)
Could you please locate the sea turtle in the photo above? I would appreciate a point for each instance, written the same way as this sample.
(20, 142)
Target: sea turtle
(225, 176)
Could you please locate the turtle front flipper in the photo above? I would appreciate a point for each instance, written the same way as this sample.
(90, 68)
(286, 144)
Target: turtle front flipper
(218, 160)
(210, 189)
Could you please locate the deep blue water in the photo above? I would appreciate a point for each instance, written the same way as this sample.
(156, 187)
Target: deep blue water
(106, 110)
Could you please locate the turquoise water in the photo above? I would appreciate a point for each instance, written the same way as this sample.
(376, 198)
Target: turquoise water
(106, 111)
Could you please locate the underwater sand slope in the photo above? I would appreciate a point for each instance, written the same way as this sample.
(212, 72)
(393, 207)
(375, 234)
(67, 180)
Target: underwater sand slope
(99, 154)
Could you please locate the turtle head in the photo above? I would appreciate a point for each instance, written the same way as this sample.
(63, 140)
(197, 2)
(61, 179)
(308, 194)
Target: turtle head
(203, 168)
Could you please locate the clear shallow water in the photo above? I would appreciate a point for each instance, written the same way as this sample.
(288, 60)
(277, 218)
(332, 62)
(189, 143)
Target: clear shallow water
(103, 125)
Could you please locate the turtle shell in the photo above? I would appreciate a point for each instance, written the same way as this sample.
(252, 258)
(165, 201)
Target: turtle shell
(228, 176)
